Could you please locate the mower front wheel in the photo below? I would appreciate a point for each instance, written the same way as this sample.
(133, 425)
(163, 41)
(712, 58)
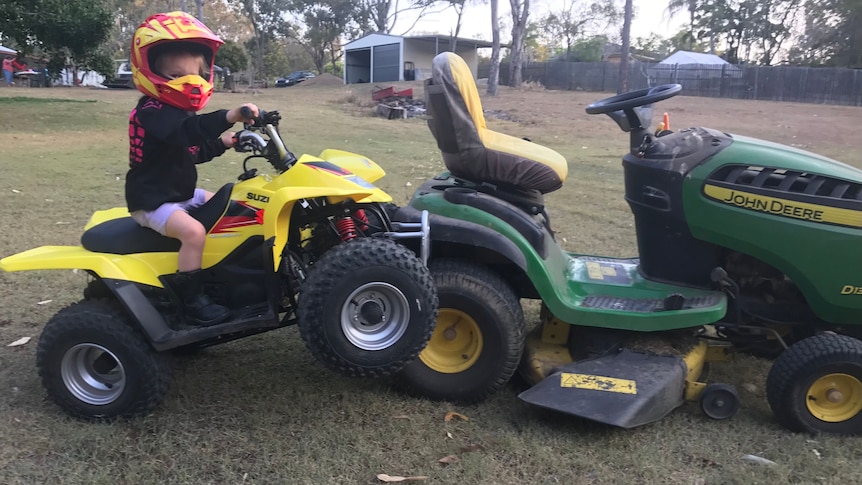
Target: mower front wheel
(97, 366)
(367, 308)
(478, 341)
(815, 386)
(719, 401)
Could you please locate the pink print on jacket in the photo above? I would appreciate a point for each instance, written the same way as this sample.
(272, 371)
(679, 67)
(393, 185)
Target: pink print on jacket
(136, 139)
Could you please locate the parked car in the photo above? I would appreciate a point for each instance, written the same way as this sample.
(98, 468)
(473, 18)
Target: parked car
(295, 77)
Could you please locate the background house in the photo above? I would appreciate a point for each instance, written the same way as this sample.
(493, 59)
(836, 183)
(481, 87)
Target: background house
(387, 58)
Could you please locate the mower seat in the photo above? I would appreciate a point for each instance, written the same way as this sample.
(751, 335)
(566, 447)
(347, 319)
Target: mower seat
(472, 151)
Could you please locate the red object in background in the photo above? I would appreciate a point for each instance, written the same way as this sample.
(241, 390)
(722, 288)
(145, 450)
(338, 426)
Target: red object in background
(389, 92)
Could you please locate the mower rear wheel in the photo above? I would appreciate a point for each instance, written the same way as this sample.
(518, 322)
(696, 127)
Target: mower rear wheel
(719, 401)
(479, 338)
(367, 308)
(815, 386)
(97, 366)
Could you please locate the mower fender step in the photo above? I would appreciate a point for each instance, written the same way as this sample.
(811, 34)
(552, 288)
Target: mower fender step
(625, 389)
(647, 305)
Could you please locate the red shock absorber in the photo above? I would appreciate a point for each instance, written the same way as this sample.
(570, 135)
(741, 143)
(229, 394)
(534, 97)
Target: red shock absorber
(346, 228)
(362, 218)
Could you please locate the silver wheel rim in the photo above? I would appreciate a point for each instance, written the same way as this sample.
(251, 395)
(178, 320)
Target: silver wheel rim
(375, 316)
(93, 374)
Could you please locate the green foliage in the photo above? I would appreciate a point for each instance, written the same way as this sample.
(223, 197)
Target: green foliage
(61, 29)
(658, 47)
(753, 31)
(832, 35)
(232, 56)
(323, 23)
(585, 50)
(336, 69)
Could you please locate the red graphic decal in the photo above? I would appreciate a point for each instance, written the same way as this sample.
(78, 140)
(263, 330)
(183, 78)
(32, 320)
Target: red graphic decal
(246, 216)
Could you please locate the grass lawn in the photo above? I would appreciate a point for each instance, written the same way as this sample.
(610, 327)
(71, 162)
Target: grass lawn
(261, 410)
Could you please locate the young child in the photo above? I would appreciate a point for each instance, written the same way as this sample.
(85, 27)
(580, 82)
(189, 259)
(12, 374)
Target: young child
(172, 60)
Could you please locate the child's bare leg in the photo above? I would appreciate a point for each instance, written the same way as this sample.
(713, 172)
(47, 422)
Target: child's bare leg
(191, 233)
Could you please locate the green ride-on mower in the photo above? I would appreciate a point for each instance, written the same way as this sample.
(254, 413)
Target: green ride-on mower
(744, 245)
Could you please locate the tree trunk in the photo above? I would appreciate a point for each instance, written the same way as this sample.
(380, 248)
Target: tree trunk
(453, 41)
(520, 13)
(624, 54)
(494, 72)
(200, 5)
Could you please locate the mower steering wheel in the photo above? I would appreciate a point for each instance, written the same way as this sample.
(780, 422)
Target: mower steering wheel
(634, 99)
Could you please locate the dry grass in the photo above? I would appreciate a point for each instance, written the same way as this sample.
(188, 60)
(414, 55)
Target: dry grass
(261, 410)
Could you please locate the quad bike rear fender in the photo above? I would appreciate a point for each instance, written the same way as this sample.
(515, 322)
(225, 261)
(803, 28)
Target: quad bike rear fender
(137, 268)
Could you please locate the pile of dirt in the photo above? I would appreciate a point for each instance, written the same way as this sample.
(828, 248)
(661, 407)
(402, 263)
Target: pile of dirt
(324, 79)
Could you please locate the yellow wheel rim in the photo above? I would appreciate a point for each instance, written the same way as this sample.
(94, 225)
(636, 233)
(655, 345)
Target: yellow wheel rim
(455, 345)
(835, 398)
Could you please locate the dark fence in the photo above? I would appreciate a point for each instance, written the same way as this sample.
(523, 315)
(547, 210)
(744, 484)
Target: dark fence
(800, 84)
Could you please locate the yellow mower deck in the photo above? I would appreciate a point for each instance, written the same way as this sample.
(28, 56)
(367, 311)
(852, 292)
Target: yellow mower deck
(626, 386)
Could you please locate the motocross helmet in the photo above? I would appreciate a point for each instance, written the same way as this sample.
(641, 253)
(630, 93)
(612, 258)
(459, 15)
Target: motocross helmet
(165, 34)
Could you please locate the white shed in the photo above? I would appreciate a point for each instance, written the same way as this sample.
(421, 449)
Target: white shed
(387, 58)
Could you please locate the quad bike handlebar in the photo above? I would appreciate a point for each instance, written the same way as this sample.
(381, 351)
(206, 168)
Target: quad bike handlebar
(271, 147)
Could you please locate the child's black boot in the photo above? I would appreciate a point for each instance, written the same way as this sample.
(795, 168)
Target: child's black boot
(200, 310)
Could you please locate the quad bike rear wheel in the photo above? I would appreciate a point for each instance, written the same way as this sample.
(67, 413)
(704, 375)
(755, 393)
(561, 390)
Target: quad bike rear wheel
(367, 308)
(815, 386)
(97, 366)
(479, 338)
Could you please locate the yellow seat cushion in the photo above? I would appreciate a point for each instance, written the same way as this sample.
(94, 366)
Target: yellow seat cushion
(472, 150)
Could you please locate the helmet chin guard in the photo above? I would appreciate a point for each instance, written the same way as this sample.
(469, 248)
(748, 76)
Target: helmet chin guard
(174, 32)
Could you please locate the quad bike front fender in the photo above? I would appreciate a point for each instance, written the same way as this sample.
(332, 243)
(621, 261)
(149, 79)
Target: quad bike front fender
(138, 268)
(276, 218)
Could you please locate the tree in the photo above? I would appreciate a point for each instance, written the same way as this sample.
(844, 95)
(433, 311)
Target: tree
(690, 6)
(589, 49)
(458, 7)
(520, 15)
(381, 15)
(266, 18)
(232, 56)
(323, 23)
(832, 34)
(494, 72)
(76, 30)
(576, 19)
(624, 55)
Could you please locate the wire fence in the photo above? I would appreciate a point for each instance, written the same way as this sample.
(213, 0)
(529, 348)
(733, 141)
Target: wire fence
(798, 84)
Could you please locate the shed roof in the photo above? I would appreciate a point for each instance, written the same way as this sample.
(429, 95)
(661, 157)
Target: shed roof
(379, 38)
(688, 57)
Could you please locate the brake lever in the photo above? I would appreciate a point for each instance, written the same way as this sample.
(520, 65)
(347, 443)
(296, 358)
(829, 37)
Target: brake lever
(247, 141)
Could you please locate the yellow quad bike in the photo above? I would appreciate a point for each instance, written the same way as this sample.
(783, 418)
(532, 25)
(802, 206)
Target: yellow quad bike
(311, 244)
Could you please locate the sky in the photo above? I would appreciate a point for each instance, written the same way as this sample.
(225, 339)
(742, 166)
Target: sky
(649, 17)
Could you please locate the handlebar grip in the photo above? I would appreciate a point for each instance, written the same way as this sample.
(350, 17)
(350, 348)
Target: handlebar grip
(246, 112)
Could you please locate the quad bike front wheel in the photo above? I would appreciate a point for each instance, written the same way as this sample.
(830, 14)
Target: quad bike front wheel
(815, 386)
(95, 365)
(477, 344)
(367, 308)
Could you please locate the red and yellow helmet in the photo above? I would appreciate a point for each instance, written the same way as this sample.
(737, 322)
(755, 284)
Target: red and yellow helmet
(174, 32)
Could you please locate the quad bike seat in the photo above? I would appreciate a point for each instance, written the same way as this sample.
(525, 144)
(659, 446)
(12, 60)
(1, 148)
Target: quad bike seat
(473, 152)
(125, 236)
